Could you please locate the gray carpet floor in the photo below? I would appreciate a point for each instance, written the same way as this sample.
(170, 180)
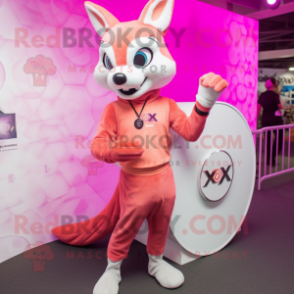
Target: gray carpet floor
(260, 262)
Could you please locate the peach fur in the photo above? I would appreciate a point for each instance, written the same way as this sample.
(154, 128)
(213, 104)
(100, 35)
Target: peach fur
(94, 229)
(120, 46)
(120, 50)
(110, 18)
(156, 13)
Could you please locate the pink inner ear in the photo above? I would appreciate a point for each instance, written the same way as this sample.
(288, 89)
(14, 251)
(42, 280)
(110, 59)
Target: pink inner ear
(158, 10)
(99, 19)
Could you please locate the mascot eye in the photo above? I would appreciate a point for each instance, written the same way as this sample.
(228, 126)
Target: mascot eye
(107, 62)
(143, 57)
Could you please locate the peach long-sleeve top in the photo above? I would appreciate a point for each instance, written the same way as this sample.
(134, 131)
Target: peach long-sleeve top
(159, 115)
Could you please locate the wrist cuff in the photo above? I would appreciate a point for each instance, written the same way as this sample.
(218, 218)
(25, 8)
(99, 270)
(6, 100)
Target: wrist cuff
(202, 113)
(203, 109)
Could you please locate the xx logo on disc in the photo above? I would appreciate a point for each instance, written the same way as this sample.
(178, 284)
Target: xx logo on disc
(216, 176)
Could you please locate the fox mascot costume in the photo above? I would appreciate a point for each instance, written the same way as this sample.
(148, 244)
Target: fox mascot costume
(134, 131)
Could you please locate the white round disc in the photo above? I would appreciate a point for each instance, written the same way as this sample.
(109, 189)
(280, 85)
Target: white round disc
(216, 176)
(214, 179)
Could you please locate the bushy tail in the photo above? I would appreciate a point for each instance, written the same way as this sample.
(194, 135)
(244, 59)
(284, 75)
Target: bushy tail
(94, 229)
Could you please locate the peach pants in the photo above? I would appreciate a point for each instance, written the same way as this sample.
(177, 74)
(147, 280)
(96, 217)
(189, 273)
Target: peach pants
(141, 197)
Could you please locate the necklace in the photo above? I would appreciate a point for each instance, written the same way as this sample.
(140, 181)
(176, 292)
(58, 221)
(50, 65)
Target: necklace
(138, 122)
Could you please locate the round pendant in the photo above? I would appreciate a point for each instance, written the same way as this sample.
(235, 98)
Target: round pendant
(139, 123)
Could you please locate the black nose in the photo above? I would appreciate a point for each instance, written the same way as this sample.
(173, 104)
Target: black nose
(119, 78)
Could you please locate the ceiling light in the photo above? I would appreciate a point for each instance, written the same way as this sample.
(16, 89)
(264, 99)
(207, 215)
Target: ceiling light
(273, 4)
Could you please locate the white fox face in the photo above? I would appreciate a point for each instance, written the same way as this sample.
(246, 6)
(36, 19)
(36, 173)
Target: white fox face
(146, 68)
(133, 56)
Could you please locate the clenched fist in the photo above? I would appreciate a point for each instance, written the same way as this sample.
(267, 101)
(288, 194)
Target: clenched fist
(210, 88)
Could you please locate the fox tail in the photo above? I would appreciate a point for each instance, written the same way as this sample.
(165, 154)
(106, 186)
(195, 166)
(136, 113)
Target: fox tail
(94, 229)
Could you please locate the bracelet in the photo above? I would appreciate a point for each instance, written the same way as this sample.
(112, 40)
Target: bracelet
(201, 112)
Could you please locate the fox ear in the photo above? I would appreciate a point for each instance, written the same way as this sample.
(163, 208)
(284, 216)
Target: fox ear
(100, 18)
(158, 13)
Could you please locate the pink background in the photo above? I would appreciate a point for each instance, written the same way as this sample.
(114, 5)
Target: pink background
(48, 175)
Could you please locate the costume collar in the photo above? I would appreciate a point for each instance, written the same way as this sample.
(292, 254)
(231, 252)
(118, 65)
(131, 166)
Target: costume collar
(150, 96)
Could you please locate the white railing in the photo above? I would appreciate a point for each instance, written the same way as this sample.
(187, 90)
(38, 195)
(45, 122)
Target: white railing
(266, 132)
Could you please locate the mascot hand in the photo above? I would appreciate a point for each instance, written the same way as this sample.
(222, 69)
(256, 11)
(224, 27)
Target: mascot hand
(126, 151)
(210, 88)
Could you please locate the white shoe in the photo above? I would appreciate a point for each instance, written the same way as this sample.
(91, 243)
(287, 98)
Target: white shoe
(109, 281)
(166, 275)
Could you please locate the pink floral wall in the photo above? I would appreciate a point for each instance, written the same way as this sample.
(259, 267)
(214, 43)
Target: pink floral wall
(46, 83)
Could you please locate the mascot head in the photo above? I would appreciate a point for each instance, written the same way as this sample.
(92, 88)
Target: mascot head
(133, 57)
